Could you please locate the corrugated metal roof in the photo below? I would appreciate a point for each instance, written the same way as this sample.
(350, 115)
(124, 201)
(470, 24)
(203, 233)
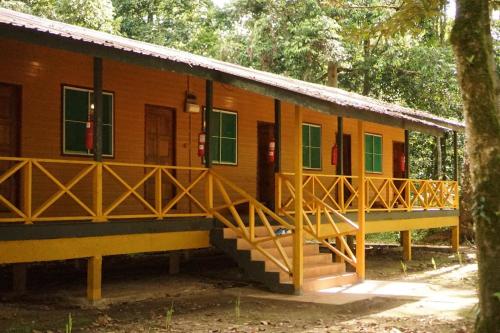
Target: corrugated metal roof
(336, 97)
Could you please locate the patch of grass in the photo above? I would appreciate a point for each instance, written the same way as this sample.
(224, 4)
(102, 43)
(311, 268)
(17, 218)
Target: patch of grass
(69, 324)
(168, 318)
(237, 310)
(383, 238)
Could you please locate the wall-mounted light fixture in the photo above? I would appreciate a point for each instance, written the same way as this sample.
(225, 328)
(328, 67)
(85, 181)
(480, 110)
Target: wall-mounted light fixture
(192, 105)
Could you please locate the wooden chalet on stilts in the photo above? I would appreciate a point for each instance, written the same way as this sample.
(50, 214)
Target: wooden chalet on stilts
(114, 146)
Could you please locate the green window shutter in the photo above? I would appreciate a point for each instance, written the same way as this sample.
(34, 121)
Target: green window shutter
(76, 105)
(107, 108)
(315, 157)
(373, 153)
(228, 125)
(76, 111)
(223, 144)
(305, 136)
(315, 133)
(306, 154)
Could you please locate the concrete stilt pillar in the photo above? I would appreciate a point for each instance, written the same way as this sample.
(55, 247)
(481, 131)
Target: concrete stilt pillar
(406, 243)
(174, 263)
(19, 277)
(94, 278)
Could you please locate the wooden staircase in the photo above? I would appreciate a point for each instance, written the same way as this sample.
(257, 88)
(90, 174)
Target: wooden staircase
(319, 270)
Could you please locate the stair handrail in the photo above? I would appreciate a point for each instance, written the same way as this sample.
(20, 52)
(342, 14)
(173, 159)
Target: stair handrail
(311, 200)
(255, 207)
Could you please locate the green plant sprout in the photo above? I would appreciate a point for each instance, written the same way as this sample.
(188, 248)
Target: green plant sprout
(69, 324)
(433, 263)
(237, 310)
(404, 268)
(168, 318)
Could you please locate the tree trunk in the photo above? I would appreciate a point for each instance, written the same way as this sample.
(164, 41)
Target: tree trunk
(332, 75)
(466, 221)
(472, 44)
(367, 67)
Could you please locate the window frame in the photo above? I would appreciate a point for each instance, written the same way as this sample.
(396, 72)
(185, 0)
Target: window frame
(66, 152)
(373, 153)
(234, 113)
(320, 147)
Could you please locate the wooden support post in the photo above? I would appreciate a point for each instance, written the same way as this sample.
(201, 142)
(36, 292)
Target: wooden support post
(455, 156)
(298, 235)
(340, 146)
(19, 277)
(97, 193)
(439, 167)
(340, 246)
(98, 117)
(27, 191)
(455, 238)
(174, 260)
(407, 154)
(209, 94)
(406, 243)
(360, 235)
(277, 135)
(94, 278)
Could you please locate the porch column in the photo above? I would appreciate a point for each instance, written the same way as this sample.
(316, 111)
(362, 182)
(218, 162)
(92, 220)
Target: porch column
(209, 105)
(455, 156)
(98, 109)
(439, 157)
(277, 135)
(98, 119)
(360, 235)
(298, 235)
(406, 242)
(340, 171)
(340, 145)
(407, 154)
(94, 278)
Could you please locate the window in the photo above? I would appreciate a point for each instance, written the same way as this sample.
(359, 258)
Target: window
(311, 146)
(224, 139)
(77, 107)
(373, 153)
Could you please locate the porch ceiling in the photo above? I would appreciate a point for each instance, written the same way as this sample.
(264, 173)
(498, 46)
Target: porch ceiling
(329, 100)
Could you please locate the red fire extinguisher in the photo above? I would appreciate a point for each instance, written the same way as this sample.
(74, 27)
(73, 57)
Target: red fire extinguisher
(335, 154)
(89, 133)
(402, 163)
(271, 151)
(201, 144)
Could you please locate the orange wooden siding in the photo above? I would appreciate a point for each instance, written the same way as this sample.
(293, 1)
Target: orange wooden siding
(42, 71)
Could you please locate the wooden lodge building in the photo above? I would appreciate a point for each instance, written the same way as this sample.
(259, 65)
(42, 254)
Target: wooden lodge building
(114, 146)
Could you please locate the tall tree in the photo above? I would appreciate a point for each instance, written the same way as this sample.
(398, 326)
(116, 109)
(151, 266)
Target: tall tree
(472, 42)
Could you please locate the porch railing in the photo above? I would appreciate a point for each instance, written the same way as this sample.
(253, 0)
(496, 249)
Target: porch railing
(33, 190)
(382, 193)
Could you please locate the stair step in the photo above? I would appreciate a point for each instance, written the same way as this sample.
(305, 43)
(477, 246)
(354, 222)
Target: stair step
(315, 270)
(244, 245)
(329, 281)
(260, 231)
(309, 249)
(313, 259)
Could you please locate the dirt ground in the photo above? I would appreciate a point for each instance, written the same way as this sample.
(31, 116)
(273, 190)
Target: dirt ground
(211, 295)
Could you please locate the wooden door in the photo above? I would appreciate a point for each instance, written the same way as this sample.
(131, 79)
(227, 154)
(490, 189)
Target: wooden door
(159, 147)
(398, 150)
(10, 103)
(265, 169)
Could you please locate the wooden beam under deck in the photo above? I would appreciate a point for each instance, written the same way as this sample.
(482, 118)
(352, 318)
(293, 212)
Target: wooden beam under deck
(23, 251)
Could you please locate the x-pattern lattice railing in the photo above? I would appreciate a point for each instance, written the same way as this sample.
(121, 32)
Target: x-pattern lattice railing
(382, 193)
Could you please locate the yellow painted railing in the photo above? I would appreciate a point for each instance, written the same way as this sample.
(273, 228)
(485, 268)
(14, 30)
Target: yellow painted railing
(382, 193)
(34, 190)
(239, 204)
(321, 221)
